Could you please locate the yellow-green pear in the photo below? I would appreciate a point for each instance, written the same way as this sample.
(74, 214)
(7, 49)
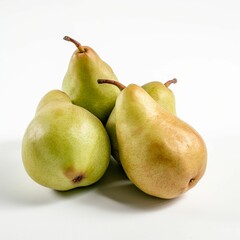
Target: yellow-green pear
(65, 146)
(161, 154)
(80, 82)
(157, 90)
(162, 94)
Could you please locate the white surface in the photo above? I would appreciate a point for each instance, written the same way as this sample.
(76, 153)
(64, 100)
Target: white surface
(194, 41)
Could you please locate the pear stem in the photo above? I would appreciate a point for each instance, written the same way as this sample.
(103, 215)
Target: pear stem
(168, 83)
(76, 43)
(113, 82)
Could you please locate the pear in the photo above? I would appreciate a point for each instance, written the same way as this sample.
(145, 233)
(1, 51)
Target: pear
(80, 82)
(162, 94)
(157, 90)
(65, 146)
(161, 154)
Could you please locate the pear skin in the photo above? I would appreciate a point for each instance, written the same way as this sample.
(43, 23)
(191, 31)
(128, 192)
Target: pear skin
(161, 154)
(159, 92)
(80, 82)
(64, 146)
(162, 94)
(111, 130)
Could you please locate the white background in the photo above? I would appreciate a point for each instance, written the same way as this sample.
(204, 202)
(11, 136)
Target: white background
(198, 42)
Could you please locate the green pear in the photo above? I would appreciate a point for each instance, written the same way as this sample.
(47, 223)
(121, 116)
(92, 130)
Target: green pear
(80, 82)
(65, 146)
(161, 154)
(162, 94)
(157, 90)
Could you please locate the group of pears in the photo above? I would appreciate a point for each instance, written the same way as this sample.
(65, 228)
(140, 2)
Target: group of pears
(75, 131)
